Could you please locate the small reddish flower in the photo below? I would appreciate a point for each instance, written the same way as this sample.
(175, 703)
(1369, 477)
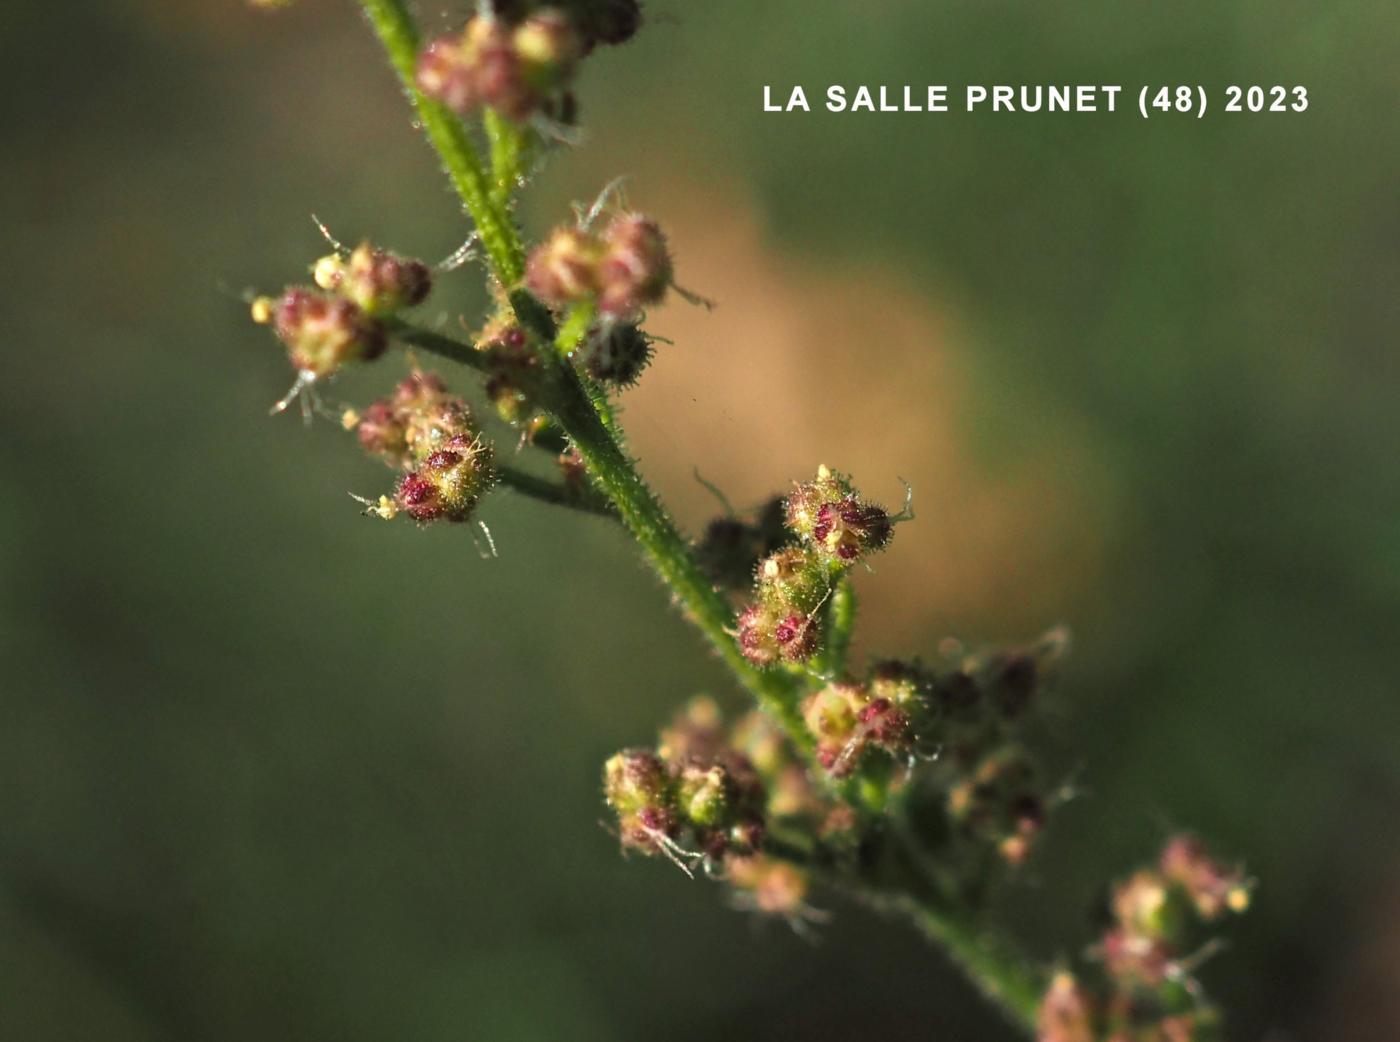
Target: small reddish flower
(377, 281)
(564, 269)
(322, 333)
(635, 268)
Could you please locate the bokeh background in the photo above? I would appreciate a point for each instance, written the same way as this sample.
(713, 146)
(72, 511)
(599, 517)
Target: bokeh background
(269, 769)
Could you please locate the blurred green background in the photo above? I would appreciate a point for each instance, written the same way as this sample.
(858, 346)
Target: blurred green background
(269, 769)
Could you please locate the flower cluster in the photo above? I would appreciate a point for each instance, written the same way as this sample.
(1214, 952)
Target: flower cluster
(515, 69)
(430, 435)
(900, 782)
(619, 270)
(342, 320)
(713, 794)
(1148, 953)
(693, 798)
(833, 528)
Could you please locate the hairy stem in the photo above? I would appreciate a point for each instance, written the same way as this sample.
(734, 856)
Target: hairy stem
(396, 31)
(564, 394)
(552, 492)
(900, 882)
(438, 344)
(509, 142)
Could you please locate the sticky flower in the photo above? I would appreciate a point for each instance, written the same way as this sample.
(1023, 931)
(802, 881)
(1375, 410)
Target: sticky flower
(639, 788)
(767, 634)
(830, 514)
(376, 281)
(448, 483)
(635, 268)
(513, 70)
(564, 268)
(321, 332)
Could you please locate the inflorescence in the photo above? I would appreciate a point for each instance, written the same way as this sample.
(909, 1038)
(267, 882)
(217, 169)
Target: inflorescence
(845, 763)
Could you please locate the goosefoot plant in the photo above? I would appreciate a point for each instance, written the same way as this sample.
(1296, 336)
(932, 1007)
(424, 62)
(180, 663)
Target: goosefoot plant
(908, 785)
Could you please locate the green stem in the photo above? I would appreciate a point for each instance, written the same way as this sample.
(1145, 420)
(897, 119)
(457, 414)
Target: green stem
(984, 956)
(551, 492)
(667, 550)
(437, 344)
(840, 625)
(574, 328)
(394, 27)
(901, 883)
(565, 397)
(508, 144)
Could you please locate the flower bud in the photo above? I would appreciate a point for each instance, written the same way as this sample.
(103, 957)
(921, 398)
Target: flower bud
(1135, 959)
(1066, 1012)
(767, 634)
(635, 267)
(703, 793)
(323, 333)
(377, 281)
(1209, 886)
(382, 433)
(564, 268)
(548, 48)
(446, 74)
(832, 715)
(500, 73)
(1143, 905)
(793, 581)
(618, 354)
(639, 788)
(514, 71)
(829, 513)
(448, 483)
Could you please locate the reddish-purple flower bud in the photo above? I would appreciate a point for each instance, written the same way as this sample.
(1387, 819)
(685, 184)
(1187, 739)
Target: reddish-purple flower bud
(756, 637)
(831, 515)
(447, 74)
(448, 483)
(500, 73)
(639, 788)
(832, 716)
(323, 333)
(635, 269)
(376, 281)
(564, 269)
(382, 433)
(767, 634)
(514, 71)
